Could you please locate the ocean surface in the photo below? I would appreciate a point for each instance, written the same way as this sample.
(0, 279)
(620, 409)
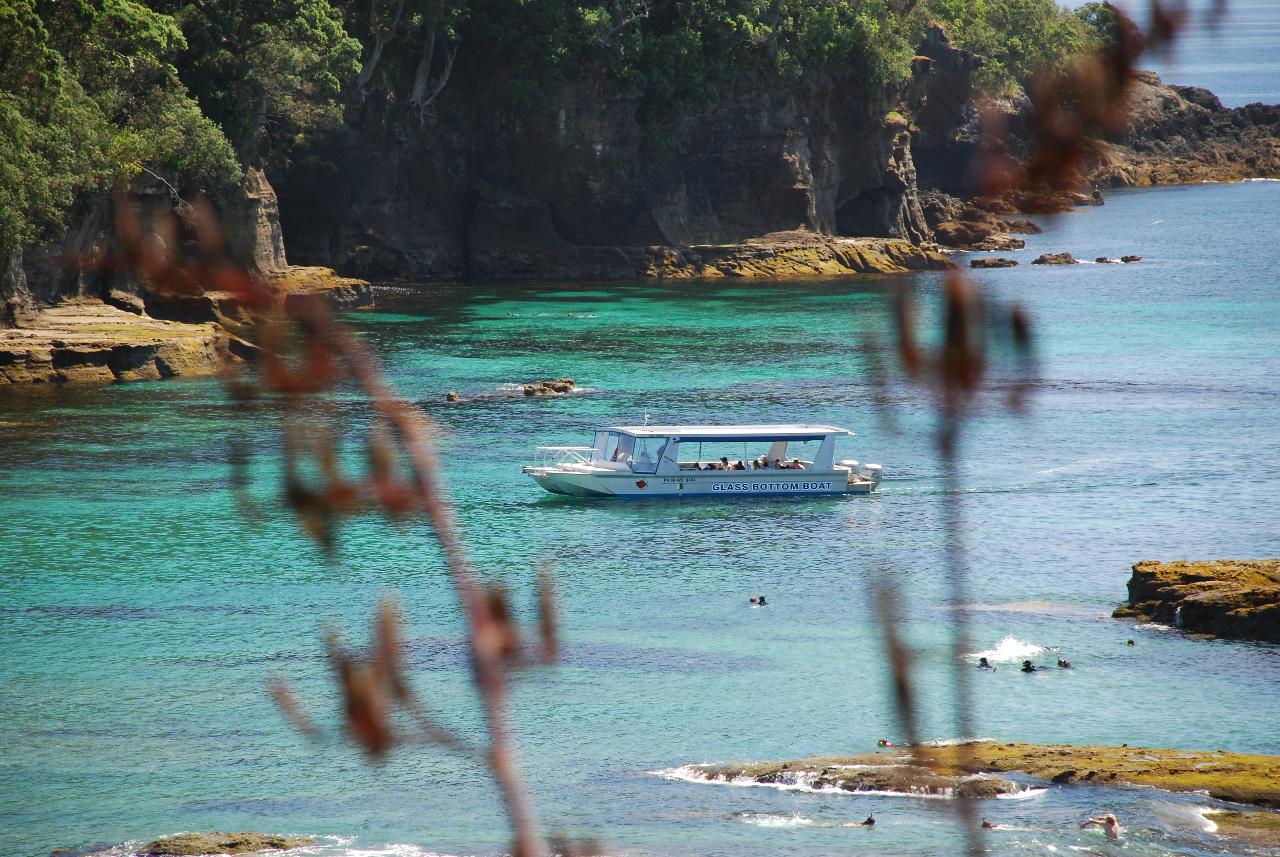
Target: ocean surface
(1226, 46)
(141, 614)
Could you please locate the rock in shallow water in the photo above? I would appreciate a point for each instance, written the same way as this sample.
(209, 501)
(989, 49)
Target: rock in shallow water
(1237, 777)
(1055, 259)
(191, 844)
(992, 262)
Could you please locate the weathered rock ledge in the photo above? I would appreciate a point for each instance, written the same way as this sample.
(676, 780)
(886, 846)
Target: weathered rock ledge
(1239, 599)
(91, 341)
(794, 254)
(306, 280)
(192, 844)
(1236, 777)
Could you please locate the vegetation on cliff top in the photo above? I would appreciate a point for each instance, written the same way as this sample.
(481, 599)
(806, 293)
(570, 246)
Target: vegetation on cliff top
(92, 92)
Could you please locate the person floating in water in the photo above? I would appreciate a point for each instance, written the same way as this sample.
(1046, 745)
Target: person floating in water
(1129, 643)
(984, 664)
(1028, 667)
(760, 600)
(1108, 823)
(869, 822)
(885, 742)
(1063, 663)
(753, 599)
(986, 825)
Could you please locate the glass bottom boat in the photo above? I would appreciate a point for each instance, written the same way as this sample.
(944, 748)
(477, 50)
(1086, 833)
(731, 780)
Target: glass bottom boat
(681, 461)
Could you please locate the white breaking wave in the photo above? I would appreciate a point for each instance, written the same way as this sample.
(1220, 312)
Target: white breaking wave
(1025, 794)
(767, 819)
(1152, 626)
(806, 781)
(1009, 650)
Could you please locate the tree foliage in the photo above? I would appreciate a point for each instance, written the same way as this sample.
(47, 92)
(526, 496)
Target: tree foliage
(93, 91)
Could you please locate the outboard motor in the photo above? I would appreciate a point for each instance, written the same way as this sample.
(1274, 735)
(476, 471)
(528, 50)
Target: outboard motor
(850, 463)
(871, 472)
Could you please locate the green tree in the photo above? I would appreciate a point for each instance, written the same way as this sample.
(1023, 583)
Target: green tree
(264, 69)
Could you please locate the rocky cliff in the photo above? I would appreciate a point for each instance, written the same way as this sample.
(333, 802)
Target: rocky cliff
(575, 190)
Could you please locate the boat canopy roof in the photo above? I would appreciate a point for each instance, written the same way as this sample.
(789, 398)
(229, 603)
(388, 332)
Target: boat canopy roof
(730, 433)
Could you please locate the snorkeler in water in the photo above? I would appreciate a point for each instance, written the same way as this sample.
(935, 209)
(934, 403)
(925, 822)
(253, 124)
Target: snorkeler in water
(1063, 663)
(1028, 667)
(1108, 823)
(984, 664)
(869, 822)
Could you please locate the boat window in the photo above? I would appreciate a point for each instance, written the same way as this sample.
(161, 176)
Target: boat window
(646, 454)
(617, 447)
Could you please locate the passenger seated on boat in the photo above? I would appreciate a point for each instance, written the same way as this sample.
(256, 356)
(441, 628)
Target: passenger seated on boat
(778, 465)
(724, 463)
(749, 465)
(739, 466)
(762, 463)
(796, 465)
(709, 466)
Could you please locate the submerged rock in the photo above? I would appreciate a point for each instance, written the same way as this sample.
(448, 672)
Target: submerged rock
(992, 262)
(189, 844)
(1259, 828)
(1128, 259)
(1055, 259)
(1239, 599)
(1105, 260)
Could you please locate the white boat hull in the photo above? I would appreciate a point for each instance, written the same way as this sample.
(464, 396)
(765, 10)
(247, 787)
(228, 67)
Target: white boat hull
(716, 483)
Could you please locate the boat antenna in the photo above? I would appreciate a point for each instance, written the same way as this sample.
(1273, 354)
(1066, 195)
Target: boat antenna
(646, 416)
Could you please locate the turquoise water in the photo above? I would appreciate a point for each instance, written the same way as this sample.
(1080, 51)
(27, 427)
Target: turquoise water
(140, 616)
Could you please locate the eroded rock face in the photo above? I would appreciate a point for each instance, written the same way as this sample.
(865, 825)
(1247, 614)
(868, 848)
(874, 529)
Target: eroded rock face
(192, 844)
(94, 342)
(992, 262)
(1224, 598)
(575, 190)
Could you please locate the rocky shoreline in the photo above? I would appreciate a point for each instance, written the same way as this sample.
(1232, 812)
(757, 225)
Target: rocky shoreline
(970, 768)
(1237, 599)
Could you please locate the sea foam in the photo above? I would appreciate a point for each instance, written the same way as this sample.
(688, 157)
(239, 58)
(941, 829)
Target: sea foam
(1009, 650)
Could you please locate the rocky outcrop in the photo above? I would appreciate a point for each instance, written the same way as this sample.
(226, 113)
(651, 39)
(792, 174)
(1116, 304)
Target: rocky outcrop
(1236, 777)
(1183, 135)
(875, 772)
(192, 844)
(794, 254)
(1257, 828)
(1055, 259)
(1239, 599)
(977, 235)
(992, 262)
(90, 341)
(300, 282)
(546, 388)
